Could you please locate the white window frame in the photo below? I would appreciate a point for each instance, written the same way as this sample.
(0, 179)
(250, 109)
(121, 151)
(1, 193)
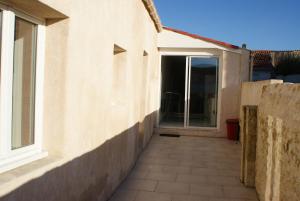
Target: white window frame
(10, 158)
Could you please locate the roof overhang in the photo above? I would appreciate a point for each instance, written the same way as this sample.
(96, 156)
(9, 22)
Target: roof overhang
(198, 37)
(153, 14)
(179, 40)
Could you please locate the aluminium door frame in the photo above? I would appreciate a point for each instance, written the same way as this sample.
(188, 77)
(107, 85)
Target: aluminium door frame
(186, 93)
(189, 90)
(219, 80)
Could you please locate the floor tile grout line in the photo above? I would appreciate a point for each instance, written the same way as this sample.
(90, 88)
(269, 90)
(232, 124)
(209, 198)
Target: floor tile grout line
(190, 172)
(135, 197)
(190, 189)
(176, 178)
(155, 188)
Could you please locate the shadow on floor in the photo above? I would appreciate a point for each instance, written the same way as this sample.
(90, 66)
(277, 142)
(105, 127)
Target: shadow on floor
(186, 169)
(92, 176)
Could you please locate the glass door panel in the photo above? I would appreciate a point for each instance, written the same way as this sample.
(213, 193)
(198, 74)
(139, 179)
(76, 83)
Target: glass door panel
(203, 92)
(173, 91)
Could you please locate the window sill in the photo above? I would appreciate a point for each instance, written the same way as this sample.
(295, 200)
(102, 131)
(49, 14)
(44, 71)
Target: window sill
(17, 160)
(12, 179)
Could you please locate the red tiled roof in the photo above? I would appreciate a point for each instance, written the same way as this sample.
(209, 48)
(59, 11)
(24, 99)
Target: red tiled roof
(228, 45)
(262, 58)
(276, 51)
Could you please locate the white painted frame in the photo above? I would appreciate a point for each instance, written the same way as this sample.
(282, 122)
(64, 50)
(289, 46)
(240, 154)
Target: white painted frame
(9, 158)
(188, 54)
(186, 92)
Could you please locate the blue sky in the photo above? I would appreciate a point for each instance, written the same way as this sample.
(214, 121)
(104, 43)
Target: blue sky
(261, 24)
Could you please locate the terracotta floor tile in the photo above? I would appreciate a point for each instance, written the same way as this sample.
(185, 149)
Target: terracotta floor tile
(186, 169)
(161, 176)
(139, 184)
(152, 196)
(173, 188)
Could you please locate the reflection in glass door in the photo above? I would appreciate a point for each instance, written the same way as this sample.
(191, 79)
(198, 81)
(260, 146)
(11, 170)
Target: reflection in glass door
(189, 91)
(173, 91)
(202, 92)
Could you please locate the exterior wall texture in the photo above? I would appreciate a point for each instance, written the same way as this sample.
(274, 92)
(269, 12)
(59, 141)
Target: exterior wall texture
(250, 98)
(99, 109)
(278, 144)
(276, 150)
(232, 73)
(249, 145)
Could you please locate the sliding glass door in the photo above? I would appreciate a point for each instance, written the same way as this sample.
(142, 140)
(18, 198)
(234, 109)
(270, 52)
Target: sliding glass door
(202, 92)
(189, 93)
(173, 91)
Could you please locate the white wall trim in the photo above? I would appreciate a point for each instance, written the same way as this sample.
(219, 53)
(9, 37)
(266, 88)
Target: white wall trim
(159, 92)
(171, 40)
(39, 85)
(192, 50)
(7, 52)
(10, 158)
(17, 160)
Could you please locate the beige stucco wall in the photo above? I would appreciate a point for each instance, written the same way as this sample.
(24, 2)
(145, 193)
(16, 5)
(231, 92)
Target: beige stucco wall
(234, 69)
(234, 72)
(170, 39)
(93, 135)
(95, 63)
(251, 96)
(278, 143)
(251, 93)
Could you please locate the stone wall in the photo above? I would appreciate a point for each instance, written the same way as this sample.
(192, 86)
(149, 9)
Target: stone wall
(249, 145)
(277, 159)
(278, 143)
(250, 99)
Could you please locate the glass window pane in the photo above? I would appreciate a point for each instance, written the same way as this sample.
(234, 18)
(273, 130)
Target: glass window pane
(23, 84)
(203, 92)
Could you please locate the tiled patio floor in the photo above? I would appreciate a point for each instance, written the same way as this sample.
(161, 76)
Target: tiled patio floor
(186, 169)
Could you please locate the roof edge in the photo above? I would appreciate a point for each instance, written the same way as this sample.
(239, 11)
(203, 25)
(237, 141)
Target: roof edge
(150, 7)
(266, 50)
(195, 36)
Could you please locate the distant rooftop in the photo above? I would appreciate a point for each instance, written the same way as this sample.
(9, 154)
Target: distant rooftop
(263, 58)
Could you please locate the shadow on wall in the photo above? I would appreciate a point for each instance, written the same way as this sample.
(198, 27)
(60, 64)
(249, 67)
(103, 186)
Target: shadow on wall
(92, 176)
(229, 105)
(231, 87)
